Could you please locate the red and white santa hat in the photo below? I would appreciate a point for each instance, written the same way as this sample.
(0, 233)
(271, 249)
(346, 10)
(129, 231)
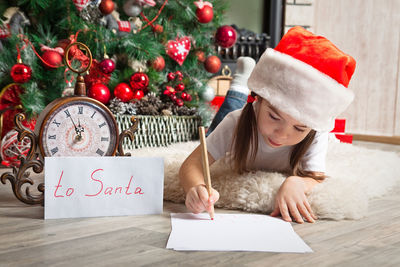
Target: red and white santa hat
(305, 76)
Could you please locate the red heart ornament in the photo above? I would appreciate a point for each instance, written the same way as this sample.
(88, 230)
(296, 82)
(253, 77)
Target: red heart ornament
(179, 49)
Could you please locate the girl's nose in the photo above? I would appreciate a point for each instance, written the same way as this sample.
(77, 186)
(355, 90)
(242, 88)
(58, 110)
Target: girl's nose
(282, 133)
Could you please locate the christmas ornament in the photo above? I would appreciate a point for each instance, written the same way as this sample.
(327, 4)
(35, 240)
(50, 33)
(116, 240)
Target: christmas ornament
(80, 4)
(139, 81)
(171, 76)
(178, 49)
(96, 75)
(158, 64)
(208, 94)
(11, 149)
(21, 73)
(131, 8)
(68, 90)
(212, 64)
(169, 90)
(225, 36)
(180, 87)
(158, 28)
(186, 97)
(123, 92)
(99, 92)
(179, 75)
(179, 102)
(91, 12)
(173, 97)
(139, 94)
(204, 11)
(53, 58)
(200, 56)
(106, 6)
(107, 66)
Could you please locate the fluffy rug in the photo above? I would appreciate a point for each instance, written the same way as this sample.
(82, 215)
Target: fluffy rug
(356, 175)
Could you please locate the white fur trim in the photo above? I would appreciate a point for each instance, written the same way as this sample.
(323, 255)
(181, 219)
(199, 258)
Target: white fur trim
(299, 90)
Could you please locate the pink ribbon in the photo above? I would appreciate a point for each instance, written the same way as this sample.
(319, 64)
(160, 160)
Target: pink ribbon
(57, 49)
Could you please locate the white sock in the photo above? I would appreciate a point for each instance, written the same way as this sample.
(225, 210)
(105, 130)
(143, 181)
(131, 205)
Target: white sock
(244, 67)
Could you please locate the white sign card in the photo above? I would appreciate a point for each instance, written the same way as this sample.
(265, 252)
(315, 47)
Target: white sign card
(233, 232)
(103, 186)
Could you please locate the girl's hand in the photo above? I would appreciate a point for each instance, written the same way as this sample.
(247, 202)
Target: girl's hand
(197, 199)
(291, 199)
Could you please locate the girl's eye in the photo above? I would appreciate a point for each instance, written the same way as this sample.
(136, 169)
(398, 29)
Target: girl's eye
(272, 117)
(299, 130)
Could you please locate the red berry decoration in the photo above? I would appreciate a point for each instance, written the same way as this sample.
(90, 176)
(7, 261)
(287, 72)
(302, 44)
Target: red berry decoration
(179, 102)
(205, 14)
(21, 73)
(139, 94)
(99, 92)
(139, 81)
(106, 7)
(123, 92)
(52, 58)
(225, 36)
(107, 66)
(200, 56)
(158, 28)
(212, 64)
(186, 96)
(180, 87)
(171, 76)
(169, 90)
(173, 97)
(158, 64)
(179, 74)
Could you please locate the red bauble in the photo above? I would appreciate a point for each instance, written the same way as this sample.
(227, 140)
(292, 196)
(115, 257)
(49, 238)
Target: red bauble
(99, 92)
(158, 28)
(139, 81)
(225, 36)
(21, 73)
(205, 14)
(106, 7)
(123, 92)
(171, 76)
(173, 97)
(212, 64)
(180, 87)
(139, 94)
(107, 66)
(52, 58)
(158, 64)
(179, 102)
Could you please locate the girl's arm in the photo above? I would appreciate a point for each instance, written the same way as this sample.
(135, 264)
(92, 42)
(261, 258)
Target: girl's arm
(192, 180)
(191, 171)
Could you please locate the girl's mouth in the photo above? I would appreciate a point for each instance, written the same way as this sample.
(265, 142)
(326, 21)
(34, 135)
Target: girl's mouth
(273, 143)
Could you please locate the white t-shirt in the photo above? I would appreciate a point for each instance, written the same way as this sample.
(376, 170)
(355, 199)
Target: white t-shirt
(267, 158)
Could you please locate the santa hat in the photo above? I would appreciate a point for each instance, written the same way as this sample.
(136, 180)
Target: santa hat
(306, 77)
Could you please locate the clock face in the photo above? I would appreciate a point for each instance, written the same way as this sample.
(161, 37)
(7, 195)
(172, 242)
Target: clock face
(78, 128)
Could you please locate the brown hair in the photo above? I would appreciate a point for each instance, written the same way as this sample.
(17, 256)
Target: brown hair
(245, 138)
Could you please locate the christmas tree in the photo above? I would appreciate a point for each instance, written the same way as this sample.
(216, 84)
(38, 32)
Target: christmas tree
(150, 55)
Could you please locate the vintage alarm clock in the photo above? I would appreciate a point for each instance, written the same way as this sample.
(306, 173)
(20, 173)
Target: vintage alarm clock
(77, 125)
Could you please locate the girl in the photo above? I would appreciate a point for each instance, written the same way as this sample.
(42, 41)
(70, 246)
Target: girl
(300, 87)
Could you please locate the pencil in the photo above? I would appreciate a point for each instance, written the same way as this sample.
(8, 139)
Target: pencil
(206, 169)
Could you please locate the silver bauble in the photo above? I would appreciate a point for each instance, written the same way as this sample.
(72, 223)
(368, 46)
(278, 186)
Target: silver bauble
(208, 94)
(132, 9)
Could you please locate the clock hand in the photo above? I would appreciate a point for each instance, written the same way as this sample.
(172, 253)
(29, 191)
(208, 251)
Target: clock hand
(76, 128)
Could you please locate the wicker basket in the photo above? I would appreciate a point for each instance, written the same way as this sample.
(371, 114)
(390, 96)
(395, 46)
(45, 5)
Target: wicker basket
(156, 131)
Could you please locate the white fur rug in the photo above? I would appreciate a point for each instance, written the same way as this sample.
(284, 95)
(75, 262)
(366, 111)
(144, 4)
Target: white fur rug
(356, 175)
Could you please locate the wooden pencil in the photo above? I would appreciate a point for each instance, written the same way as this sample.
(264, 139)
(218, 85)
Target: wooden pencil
(206, 168)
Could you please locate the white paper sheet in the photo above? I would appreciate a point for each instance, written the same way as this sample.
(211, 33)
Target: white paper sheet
(233, 232)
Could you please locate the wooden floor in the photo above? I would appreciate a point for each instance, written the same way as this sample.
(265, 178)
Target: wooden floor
(28, 240)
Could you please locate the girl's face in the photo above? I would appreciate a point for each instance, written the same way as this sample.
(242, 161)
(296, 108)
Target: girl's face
(277, 128)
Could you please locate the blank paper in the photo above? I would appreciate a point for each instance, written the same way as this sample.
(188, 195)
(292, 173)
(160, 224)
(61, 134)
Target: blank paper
(233, 232)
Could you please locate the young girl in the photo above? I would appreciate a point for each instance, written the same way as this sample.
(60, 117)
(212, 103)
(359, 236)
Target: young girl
(300, 88)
